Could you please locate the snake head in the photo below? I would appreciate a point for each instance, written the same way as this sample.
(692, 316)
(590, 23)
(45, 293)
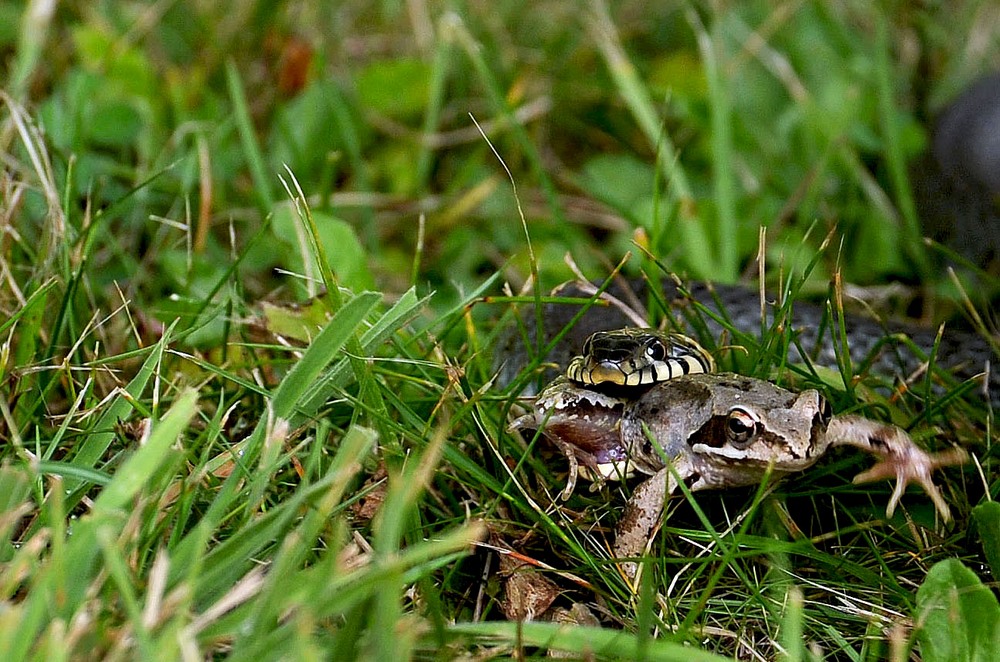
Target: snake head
(634, 357)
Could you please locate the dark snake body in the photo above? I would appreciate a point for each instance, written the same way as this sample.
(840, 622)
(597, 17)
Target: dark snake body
(877, 345)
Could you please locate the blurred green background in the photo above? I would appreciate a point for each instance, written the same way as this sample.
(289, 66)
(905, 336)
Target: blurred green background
(170, 127)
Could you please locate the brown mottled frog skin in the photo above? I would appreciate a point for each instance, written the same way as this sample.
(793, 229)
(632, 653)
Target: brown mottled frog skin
(715, 431)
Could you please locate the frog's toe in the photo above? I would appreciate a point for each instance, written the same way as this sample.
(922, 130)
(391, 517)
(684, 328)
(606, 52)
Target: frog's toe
(914, 466)
(929, 487)
(574, 472)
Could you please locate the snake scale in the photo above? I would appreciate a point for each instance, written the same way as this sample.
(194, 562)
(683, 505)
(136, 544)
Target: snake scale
(963, 354)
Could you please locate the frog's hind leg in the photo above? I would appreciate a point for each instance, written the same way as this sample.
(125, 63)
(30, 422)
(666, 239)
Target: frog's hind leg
(899, 457)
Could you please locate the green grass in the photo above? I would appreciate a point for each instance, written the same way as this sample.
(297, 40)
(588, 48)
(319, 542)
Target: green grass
(249, 304)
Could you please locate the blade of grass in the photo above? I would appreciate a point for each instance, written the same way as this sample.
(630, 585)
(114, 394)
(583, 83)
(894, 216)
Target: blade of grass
(391, 321)
(580, 640)
(341, 327)
(895, 159)
(292, 389)
(248, 137)
(65, 320)
(15, 487)
(604, 33)
(56, 592)
(298, 543)
(349, 131)
(67, 469)
(32, 318)
(726, 236)
(102, 433)
(792, 630)
(694, 236)
(230, 559)
(31, 311)
(31, 40)
(369, 392)
(440, 67)
(388, 532)
(138, 468)
(330, 593)
(125, 585)
(350, 588)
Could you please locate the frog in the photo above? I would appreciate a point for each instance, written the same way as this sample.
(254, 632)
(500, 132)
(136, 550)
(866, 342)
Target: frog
(715, 431)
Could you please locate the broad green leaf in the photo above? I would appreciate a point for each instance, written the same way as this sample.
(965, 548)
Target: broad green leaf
(297, 322)
(678, 76)
(396, 88)
(114, 123)
(124, 70)
(959, 618)
(343, 249)
(988, 520)
(305, 131)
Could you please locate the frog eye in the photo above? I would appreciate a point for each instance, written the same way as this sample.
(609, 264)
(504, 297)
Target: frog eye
(741, 427)
(655, 350)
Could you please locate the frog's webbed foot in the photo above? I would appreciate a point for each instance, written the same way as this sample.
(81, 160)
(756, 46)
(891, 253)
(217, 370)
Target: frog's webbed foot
(899, 458)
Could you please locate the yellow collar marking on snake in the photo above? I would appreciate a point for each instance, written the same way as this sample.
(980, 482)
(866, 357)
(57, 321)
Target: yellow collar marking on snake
(637, 357)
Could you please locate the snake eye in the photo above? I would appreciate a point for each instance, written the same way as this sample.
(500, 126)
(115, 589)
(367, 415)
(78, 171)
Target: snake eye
(741, 427)
(826, 412)
(655, 350)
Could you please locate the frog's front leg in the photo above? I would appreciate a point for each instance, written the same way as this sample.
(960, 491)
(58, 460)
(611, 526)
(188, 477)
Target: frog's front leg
(899, 457)
(643, 512)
